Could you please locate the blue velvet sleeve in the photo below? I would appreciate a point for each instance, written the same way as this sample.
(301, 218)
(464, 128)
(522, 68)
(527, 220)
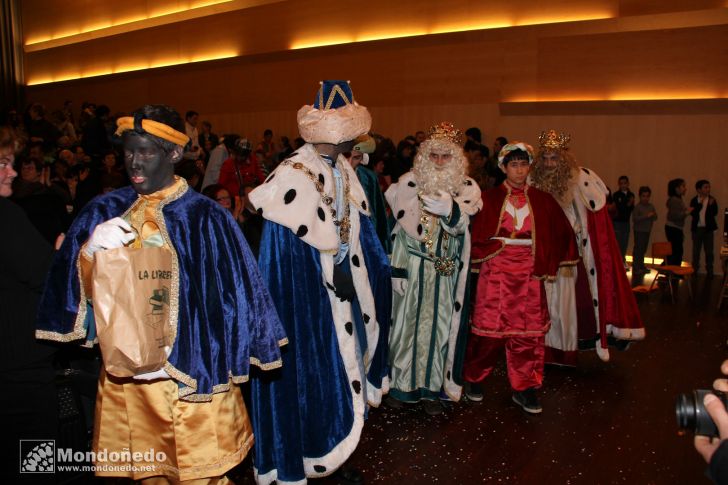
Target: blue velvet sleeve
(226, 318)
(61, 300)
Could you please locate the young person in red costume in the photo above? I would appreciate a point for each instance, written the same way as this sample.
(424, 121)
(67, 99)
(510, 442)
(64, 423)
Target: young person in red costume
(521, 237)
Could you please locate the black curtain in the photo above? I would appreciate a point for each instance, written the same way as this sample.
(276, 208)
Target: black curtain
(11, 57)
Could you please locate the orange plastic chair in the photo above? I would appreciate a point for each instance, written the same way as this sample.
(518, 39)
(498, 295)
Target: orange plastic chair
(661, 250)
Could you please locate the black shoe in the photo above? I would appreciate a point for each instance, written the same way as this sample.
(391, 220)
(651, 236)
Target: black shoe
(393, 403)
(349, 475)
(434, 408)
(528, 400)
(474, 392)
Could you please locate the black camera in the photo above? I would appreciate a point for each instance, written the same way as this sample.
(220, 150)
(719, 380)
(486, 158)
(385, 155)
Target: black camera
(692, 415)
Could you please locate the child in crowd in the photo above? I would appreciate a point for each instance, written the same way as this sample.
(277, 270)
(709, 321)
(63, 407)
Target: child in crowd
(643, 216)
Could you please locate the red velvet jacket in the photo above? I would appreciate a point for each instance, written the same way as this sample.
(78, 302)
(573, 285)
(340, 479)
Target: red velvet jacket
(554, 242)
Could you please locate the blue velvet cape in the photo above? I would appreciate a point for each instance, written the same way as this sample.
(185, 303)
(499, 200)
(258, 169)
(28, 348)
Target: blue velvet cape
(226, 318)
(305, 409)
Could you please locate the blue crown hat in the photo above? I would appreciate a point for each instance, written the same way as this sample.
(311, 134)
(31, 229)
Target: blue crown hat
(333, 94)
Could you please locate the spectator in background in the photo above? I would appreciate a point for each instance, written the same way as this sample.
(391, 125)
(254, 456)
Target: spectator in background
(64, 124)
(217, 157)
(402, 163)
(63, 184)
(95, 140)
(477, 169)
(79, 155)
(492, 167)
(624, 203)
(28, 403)
(250, 222)
(207, 136)
(240, 169)
(298, 143)
(643, 216)
(266, 151)
(45, 208)
(475, 136)
(195, 152)
(36, 152)
(677, 211)
(67, 112)
(113, 176)
(704, 209)
(286, 149)
(498, 145)
(87, 112)
(190, 171)
(40, 129)
(67, 156)
(420, 136)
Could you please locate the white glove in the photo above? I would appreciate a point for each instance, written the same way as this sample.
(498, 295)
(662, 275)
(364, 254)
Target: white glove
(439, 205)
(150, 376)
(399, 285)
(111, 234)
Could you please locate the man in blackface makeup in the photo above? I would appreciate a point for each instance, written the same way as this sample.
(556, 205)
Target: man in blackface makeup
(188, 411)
(329, 277)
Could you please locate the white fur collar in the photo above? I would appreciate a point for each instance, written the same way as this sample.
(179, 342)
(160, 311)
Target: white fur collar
(591, 189)
(402, 198)
(289, 197)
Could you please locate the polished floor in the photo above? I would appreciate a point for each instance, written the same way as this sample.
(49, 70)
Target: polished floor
(603, 423)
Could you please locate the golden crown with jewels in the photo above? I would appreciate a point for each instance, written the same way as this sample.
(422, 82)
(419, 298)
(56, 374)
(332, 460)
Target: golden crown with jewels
(554, 140)
(445, 131)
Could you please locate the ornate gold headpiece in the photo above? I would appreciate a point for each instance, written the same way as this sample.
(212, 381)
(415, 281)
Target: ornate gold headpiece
(554, 140)
(445, 131)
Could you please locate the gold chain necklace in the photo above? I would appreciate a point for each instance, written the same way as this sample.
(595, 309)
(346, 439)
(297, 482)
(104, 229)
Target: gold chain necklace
(443, 265)
(344, 223)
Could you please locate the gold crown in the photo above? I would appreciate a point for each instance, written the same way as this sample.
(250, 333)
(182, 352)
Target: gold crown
(553, 140)
(445, 131)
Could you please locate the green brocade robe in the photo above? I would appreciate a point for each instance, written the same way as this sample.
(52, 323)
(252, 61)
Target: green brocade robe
(429, 322)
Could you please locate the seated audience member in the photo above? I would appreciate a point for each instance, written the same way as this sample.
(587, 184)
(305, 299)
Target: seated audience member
(44, 206)
(207, 136)
(217, 157)
(250, 222)
(240, 169)
(265, 151)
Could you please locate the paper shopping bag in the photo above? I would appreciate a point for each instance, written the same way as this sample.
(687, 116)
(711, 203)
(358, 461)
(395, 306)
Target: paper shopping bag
(131, 295)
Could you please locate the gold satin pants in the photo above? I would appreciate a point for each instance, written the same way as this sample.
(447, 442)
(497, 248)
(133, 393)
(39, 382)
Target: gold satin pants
(200, 440)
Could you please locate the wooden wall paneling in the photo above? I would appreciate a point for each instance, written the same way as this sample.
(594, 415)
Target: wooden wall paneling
(669, 63)
(645, 7)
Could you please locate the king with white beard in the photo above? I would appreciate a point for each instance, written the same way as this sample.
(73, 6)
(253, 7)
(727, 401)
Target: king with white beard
(432, 205)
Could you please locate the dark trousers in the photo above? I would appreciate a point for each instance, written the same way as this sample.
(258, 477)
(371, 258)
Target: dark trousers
(676, 237)
(641, 240)
(621, 230)
(703, 238)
